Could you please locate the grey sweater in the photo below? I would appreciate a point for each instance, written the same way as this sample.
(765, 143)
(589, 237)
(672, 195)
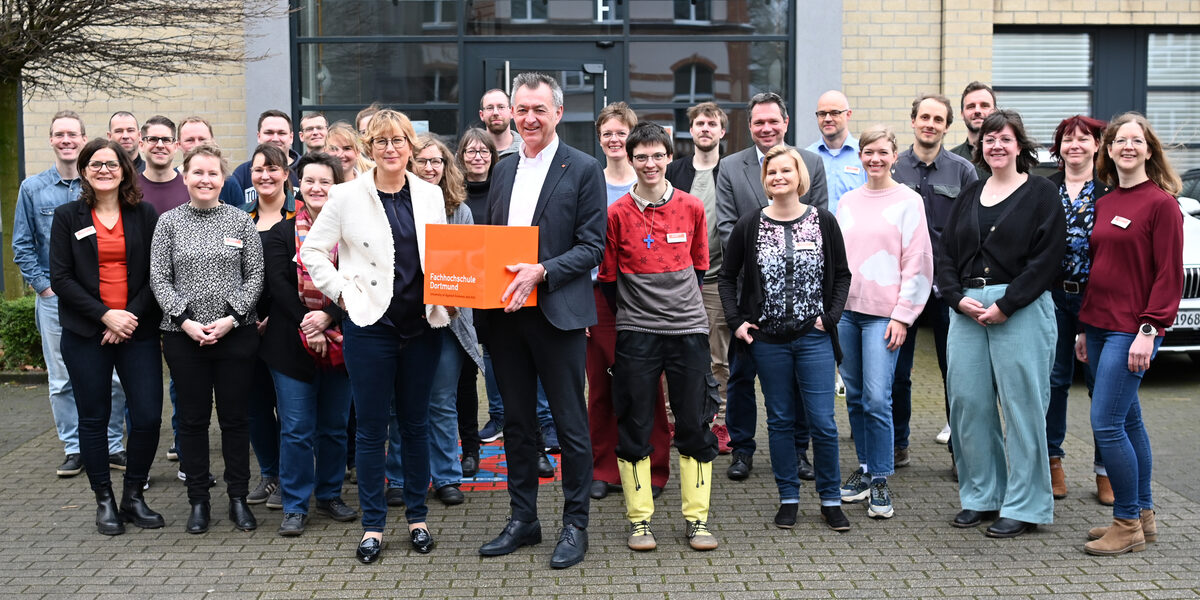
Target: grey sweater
(206, 264)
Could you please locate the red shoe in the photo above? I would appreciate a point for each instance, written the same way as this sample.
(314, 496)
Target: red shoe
(722, 439)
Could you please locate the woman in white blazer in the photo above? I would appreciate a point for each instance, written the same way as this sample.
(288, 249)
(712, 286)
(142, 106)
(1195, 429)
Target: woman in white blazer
(367, 253)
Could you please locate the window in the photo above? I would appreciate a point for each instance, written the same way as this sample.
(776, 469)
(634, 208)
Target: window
(530, 10)
(693, 11)
(609, 11)
(1173, 94)
(1043, 91)
(693, 83)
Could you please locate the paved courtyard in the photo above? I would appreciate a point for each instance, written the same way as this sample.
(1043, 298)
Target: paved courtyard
(49, 547)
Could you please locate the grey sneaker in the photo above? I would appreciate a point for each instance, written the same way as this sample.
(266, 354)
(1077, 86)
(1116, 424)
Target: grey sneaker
(275, 500)
(72, 466)
(881, 501)
(266, 487)
(856, 488)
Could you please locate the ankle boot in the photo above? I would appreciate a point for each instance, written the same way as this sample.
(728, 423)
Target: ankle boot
(1058, 479)
(198, 520)
(1104, 493)
(1149, 528)
(639, 502)
(695, 485)
(239, 513)
(108, 521)
(1125, 535)
(134, 509)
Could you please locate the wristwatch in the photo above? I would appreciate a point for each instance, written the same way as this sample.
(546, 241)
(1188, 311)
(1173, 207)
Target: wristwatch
(1147, 329)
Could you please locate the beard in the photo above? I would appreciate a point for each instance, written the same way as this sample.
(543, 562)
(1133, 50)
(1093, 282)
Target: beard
(497, 127)
(709, 148)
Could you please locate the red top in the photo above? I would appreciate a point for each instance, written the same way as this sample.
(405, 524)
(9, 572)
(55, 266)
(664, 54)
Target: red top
(110, 247)
(1137, 260)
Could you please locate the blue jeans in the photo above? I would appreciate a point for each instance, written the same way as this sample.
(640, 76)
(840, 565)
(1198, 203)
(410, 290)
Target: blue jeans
(1066, 315)
(264, 422)
(805, 367)
(62, 396)
(443, 421)
(1117, 420)
(496, 403)
(312, 427)
(741, 404)
(867, 370)
(389, 373)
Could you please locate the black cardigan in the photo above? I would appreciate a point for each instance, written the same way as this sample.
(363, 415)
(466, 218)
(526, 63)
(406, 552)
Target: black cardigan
(75, 269)
(741, 263)
(280, 347)
(1024, 248)
(682, 173)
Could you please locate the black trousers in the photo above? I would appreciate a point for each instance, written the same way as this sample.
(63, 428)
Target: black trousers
(226, 370)
(640, 361)
(467, 404)
(525, 347)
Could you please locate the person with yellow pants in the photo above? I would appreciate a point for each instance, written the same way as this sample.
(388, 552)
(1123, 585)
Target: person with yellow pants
(655, 258)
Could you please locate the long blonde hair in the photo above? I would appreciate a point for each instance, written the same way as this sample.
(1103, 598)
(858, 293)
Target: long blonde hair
(347, 135)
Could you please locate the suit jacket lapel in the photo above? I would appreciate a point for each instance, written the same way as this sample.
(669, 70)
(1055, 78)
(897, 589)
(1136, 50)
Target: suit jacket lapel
(504, 188)
(557, 168)
(85, 219)
(753, 171)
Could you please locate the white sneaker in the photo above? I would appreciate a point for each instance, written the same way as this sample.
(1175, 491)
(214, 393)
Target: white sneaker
(944, 436)
(839, 387)
(181, 476)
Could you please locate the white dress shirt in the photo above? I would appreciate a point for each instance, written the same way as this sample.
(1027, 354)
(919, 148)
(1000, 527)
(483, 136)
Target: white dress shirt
(531, 174)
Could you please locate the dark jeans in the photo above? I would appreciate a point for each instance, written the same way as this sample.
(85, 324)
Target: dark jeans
(139, 366)
(741, 404)
(387, 371)
(312, 419)
(226, 370)
(641, 359)
(467, 405)
(264, 421)
(937, 315)
(1066, 314)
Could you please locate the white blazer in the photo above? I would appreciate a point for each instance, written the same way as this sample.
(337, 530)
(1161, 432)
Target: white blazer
(353, 220)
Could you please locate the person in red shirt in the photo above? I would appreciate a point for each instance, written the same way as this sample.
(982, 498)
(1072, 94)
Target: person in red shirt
(1132, 297)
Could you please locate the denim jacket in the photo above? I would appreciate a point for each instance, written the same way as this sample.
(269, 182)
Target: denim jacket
(36, 201)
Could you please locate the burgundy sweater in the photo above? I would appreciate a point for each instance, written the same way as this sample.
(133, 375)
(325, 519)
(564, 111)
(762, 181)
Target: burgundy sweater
(1137, 270)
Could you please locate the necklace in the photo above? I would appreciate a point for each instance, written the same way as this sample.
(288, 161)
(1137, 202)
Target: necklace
(649, 229)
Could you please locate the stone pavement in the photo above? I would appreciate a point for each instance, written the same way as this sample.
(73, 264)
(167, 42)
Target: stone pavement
(49, 547)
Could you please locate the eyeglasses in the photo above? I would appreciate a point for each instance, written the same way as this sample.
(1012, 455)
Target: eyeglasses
(992, 141)
(100, 165)
(494, 108)
(821, 114)
(642, 158)
(396, 142)
(312, 128)
(425, 162)
(153, 140)
(608, 135)
(1135, 142)
(477, 152)
(69, 135)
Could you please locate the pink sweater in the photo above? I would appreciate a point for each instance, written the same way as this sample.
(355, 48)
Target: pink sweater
(888, 249)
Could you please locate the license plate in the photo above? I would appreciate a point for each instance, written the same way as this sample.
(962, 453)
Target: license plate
(1187, 319)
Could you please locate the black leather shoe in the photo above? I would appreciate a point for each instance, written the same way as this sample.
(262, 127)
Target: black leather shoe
(293, 524)
(806, 469)
(739, 469)
(369, 550)
(785, 518)
(337, 510)
(239, 513)
(571, 548)
(545, 467)
(971, 518)
(598, 490)
(108, 520)
(656, 490)
(394, 496)
(470, 465)
(421, 540)
(134, 510)
(1005, 527)
(450, 495)
(198, 520)
(515, 535)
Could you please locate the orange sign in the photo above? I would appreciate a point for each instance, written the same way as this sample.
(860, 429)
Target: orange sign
(465, 265)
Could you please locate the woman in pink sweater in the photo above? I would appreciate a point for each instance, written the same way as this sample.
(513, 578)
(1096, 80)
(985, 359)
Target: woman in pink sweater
(891, 261)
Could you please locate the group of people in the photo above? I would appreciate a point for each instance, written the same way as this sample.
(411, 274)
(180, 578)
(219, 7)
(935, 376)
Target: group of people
(289, 290)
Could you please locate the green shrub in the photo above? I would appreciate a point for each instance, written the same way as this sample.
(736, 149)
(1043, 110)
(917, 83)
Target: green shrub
(19, 338)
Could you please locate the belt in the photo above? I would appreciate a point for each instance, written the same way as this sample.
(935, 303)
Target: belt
(977, 282)
(1073, 287)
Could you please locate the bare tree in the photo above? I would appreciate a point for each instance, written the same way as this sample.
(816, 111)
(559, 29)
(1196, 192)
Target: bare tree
(114, 47)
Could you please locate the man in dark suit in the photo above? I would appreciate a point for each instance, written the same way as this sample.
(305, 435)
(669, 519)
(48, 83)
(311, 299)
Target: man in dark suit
(740, 192)
(561, 191)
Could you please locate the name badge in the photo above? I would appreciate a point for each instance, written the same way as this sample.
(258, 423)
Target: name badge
(853, 169)
(86, 231)
(807, 246)
(233, 242)
(676, 238)
(1121, 222)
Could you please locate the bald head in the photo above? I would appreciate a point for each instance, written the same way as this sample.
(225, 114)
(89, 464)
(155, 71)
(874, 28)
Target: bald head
(833, 118)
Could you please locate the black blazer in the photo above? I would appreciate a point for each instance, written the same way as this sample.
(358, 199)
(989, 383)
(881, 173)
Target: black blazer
(571, 217)
(75, 269)
(280, 346)
(681, 173)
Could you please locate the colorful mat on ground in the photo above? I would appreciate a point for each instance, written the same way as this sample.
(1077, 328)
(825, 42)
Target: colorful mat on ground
(493, 469)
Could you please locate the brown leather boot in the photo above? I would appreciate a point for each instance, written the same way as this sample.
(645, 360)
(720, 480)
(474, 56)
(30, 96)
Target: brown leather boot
(1104, 493)
(1149, 528)
(1124, 535)
(1058, 480)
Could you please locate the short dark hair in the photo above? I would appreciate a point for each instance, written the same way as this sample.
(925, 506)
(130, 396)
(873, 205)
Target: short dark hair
(975, 86)
(320, 158)
(764, 98)
(709, 109)
(120, 113)
(273, 113)
(274, 157)
(159, 120)
(312, 115)
(916, 105)
(491, 91)
(1026, 147)
(128, 193)
(1088, 125)
(647, 133)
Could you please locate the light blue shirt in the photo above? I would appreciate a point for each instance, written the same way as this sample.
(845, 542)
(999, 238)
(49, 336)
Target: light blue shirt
(843, 169)
(36, 201)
